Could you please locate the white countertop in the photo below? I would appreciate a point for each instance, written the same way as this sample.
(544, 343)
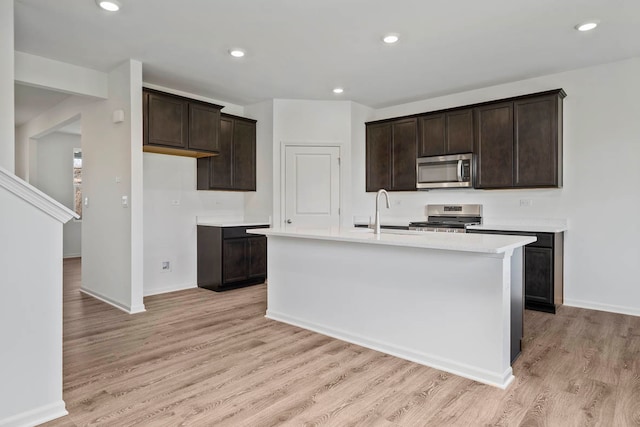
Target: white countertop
(217, 222)
(483, 243)
(533, 228)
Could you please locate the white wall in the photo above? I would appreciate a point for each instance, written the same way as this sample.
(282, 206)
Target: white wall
(30, 314)
(258, 205)
(7, 117)
(55, 178)
(170, 230)
(108, 252)
(37, 71)
(302, 121)
(601, 134)
(361, 201)
(112, 267)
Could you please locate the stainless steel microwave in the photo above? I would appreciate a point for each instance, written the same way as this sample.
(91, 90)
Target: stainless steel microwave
(454, 171)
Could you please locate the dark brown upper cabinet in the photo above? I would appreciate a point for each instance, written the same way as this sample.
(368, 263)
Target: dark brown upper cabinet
(516, 142)
(234, 168)
(446, 133)
(179, 126)
(519, 143)
(538, 141)
(494, 146)
(391, 155)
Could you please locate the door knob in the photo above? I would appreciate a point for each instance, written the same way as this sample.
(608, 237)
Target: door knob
(288, 221)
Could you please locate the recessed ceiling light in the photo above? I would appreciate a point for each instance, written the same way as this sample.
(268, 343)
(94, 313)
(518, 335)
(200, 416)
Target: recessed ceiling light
(109, 5)
(338, 90)
(391, 38)
(236, 53)
(587, 26)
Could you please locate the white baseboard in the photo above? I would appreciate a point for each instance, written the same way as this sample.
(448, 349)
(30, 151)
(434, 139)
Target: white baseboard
(36, 416)
(120, 306)
(632, 311)
(168, 289)
(65, 256)
(501, 380)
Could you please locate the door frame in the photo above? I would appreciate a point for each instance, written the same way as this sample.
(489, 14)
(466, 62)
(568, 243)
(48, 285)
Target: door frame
(283, 167)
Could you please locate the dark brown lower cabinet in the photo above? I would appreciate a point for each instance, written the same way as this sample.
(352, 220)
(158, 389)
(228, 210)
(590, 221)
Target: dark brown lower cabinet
(229, 257)
(543, 269)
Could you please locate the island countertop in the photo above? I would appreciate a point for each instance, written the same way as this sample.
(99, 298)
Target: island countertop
(481, 243)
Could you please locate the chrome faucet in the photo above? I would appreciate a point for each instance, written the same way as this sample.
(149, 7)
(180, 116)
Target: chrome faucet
(376, 224)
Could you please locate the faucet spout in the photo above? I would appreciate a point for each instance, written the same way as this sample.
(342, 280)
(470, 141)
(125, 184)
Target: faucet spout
(376, 225)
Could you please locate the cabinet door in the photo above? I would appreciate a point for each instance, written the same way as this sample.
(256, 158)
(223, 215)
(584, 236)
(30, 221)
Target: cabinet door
(257, 256)
(234, 260)
(536, 142)
(204, 124)
(459, 135)
(432, 135)
(538, 272)
(378, 156)
(167, 121)
(494, 146)
(221, 166)
(403, 155)
(244, 155)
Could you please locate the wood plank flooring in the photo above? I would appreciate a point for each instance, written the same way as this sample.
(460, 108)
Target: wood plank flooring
(200, 358)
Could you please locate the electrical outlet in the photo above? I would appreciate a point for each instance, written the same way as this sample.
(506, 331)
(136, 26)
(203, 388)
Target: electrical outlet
(166, 266)
(175, 202)
(526, 203)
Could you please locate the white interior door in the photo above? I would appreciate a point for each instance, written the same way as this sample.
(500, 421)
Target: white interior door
(312, 186)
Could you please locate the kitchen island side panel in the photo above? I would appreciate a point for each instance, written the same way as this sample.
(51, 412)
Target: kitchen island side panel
(446, 309)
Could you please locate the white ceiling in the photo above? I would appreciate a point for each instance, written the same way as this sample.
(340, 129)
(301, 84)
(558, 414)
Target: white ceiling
(302, 49)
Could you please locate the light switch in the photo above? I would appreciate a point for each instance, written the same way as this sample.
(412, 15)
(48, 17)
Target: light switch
(125, 201)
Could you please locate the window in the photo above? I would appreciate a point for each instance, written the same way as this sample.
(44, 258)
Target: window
(77, 181)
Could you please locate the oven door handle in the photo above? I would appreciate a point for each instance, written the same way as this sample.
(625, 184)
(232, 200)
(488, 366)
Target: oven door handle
(459, 170)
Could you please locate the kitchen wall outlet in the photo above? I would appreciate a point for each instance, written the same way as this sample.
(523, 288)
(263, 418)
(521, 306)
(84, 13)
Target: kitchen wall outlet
(166, 266)
(175, 203)
(118, 180)
(526, 203)
(125, 201)
(86, 201)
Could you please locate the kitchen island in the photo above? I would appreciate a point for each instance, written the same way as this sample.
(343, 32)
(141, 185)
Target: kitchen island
(450, 301)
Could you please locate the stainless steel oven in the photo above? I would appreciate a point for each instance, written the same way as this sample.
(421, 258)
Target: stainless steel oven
(449, 218)
(455, 171)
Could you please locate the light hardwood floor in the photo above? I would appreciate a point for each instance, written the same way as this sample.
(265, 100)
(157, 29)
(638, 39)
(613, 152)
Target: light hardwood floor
(202, 358)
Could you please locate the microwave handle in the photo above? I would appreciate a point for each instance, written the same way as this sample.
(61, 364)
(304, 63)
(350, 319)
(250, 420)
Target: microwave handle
(459, 170)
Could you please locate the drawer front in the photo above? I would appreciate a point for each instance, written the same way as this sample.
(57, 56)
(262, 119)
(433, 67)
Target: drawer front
(239, 232)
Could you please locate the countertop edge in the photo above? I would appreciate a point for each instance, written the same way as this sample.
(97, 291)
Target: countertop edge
(521, 228)
(231, 224)
(422, 240)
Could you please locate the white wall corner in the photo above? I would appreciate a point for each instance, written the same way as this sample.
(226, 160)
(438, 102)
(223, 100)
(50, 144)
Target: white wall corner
(7, 118)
